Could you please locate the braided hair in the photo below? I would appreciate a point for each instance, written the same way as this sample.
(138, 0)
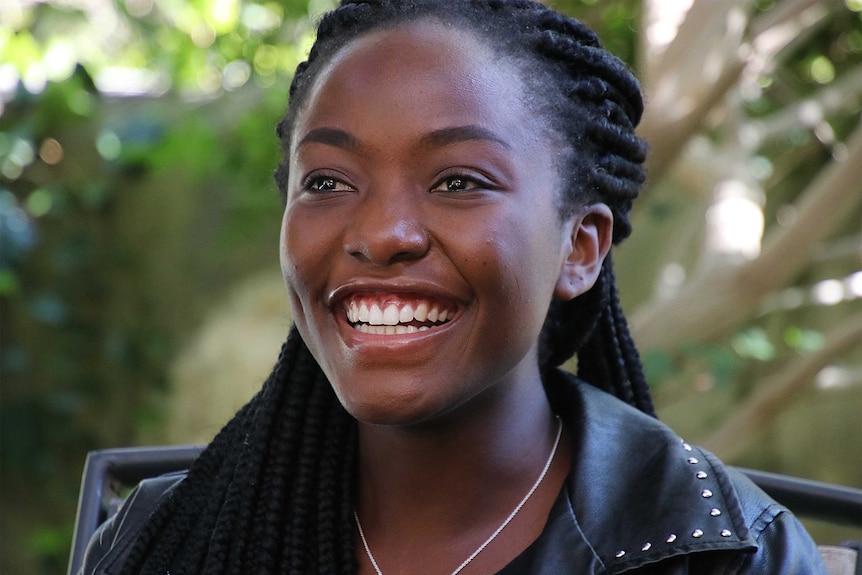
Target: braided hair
(274, 491)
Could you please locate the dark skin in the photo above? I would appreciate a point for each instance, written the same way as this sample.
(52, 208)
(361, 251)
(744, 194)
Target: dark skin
(419, 177)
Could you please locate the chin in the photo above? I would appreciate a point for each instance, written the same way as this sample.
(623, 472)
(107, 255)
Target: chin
(401, 407)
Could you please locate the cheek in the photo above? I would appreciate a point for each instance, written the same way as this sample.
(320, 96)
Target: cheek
(529, 256)
(305, 242)
(518, 268)
(302, 256)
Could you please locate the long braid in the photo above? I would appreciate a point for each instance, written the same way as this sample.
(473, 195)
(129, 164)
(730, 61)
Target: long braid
(251, 490)
(282, 444)
(633, 369)
(300, 527)
(335, 520)
(273, 493)
(607, 356)
(173, 521)
(346, 558)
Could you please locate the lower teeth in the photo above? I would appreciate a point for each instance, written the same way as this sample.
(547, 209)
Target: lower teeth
(389, 329)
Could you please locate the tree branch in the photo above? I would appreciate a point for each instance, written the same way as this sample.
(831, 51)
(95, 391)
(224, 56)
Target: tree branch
(681, 92)
(668, 134)
(826, 202)
(829, 100)
(703, 31)
(782, 14)
(723, 295)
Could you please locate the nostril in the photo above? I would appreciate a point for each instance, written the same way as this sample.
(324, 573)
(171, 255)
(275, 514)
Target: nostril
(385, 245)
(356, 249)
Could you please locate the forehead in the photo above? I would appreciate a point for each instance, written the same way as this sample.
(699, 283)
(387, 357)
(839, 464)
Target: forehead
(431, 73)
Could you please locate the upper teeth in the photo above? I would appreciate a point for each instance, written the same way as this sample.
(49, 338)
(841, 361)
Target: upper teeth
(392, 314)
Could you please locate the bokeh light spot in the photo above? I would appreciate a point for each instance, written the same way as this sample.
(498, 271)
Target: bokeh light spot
(109, 145)
(822, 71)
(51, 152)
(39, 203)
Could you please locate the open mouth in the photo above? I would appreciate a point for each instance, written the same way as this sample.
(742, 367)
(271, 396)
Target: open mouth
(371, 315)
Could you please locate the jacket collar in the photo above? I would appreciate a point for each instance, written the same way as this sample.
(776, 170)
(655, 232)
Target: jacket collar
(637, 493)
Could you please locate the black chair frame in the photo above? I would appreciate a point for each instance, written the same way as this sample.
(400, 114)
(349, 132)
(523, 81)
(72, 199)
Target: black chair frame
(108, 475)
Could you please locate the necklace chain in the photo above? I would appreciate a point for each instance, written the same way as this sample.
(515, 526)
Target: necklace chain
(495, 533)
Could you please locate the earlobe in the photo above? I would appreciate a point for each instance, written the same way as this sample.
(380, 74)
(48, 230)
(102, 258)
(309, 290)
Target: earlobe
(591, 232)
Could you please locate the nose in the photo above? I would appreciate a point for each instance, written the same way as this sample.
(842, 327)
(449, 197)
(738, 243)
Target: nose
(387, 228)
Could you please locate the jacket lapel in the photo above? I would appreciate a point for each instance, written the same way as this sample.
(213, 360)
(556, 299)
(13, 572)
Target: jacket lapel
(637, 493)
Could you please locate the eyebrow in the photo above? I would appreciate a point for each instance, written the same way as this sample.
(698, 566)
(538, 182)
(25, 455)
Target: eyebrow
(330, 137)
(438, 138)
(457, 134)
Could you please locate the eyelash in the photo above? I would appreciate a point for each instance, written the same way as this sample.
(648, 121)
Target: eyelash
(471, 182)
(313, 184)
(463, 181)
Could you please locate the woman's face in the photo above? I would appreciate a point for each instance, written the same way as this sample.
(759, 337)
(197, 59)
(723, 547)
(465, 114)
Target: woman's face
(421, 242)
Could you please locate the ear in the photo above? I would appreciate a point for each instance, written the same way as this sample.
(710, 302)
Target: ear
(589, 241)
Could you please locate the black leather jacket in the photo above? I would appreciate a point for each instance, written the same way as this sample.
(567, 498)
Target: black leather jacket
(639, 500)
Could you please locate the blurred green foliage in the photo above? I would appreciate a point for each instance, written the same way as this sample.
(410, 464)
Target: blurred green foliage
(126, 129)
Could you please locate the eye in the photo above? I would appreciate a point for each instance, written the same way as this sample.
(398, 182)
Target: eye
(457, 184)
(325, 184)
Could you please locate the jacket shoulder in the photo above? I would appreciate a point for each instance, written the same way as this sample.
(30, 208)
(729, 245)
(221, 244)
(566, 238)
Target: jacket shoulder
(110, 544)
(783, 545)
(645, 499)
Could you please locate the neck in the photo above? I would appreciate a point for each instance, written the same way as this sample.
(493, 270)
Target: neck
(466, 470)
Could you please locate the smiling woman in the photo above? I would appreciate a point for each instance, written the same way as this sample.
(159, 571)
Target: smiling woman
(454, 176)
(402, 207)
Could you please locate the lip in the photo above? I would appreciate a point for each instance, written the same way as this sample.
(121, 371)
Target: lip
(391, 291)
(406, 289)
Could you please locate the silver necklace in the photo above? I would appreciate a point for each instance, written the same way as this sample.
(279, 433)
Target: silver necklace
(495, 533)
